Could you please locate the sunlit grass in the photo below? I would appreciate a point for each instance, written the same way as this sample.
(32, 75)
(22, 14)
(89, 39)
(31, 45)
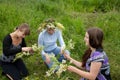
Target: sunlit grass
(76, 16)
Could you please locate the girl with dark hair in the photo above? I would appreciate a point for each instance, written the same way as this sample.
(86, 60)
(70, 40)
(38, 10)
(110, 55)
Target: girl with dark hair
(95, 65)
(14, 43)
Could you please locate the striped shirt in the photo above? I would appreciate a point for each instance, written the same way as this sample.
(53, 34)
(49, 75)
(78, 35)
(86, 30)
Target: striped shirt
(98, 56)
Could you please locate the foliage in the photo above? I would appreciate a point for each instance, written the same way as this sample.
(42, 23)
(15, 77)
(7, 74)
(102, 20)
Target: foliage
(36, 49)
(76, 16)
(58, 67)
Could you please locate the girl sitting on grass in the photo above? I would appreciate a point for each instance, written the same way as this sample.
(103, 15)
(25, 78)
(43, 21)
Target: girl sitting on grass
(95, 65)
(14, 43)
(50, 33)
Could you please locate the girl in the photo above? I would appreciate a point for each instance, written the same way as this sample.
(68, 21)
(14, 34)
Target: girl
(48, 39)
(94, 61)
(14, 43)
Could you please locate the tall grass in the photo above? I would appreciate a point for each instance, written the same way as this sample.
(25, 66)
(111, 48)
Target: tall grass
(76, 16)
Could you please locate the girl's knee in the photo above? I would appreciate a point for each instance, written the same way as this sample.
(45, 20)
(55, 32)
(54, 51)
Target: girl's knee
(67, 52)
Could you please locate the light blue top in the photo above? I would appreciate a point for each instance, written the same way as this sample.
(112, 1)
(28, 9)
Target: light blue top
(50, 41)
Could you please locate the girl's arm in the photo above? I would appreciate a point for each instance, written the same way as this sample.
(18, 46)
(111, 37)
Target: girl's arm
(75, 62)
(7, 49)
(60, 38)
(94, 70)
(23, 43)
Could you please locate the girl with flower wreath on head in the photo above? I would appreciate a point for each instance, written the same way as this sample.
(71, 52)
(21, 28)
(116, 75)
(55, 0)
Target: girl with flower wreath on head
(50, 32)
(94, 65)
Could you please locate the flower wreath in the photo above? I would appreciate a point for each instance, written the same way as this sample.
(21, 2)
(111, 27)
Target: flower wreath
(50, 23)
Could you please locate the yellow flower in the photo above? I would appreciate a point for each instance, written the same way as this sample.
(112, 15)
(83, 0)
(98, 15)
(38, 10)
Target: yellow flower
(26, 78)
(42, 26)
(60, 26)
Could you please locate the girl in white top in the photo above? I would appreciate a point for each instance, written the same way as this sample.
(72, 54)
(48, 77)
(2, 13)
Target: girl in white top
(48, 38)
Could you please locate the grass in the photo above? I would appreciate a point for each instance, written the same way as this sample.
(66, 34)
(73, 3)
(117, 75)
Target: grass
(76, 16)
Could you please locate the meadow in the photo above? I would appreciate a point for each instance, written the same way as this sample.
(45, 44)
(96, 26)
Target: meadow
(76, 16)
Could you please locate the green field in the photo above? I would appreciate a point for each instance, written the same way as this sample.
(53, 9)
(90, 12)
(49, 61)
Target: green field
(76, 16)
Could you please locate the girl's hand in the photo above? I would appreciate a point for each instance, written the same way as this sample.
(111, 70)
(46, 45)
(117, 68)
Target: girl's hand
(71, 68)
(67, 56)
(47, 58)
(62, 49)
(27, 49)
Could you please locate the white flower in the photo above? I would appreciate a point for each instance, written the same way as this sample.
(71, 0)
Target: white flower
(63, 61)
(71, 61)
(48, 74)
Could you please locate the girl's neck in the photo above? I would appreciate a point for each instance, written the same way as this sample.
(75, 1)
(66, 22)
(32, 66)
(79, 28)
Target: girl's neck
(93, 50)
(16, 40)
(14, 35)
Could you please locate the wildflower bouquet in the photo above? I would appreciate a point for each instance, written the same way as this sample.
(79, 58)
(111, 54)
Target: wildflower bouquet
(58, 67)
(35, 48)
(54, 66)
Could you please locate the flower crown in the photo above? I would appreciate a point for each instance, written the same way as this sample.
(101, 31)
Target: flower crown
(51, 23)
